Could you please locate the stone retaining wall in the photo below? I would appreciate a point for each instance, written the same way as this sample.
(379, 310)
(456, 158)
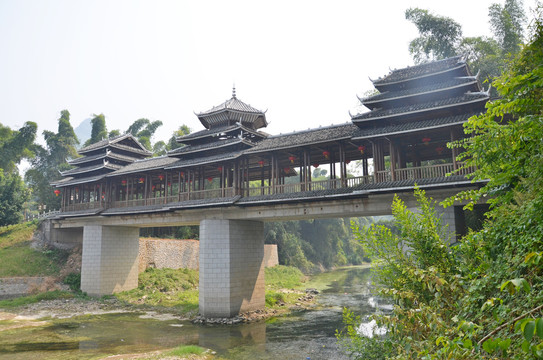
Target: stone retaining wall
(22, 286)
(175, 254)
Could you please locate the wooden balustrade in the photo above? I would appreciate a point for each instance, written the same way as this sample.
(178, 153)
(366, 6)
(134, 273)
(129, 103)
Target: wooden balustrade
(413, 173)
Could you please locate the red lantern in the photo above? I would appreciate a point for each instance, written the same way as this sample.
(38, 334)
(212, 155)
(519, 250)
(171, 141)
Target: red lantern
(286, 170)
(210, 179)
(361, 148)
(169, 184)
(160, 177)
(182, 174)
(292, 158)
(57, 192)
(261, 163)
(347, 162)
(141, 180)
(316, 165)
(326, 154)
(123, 182)
(219, 168)
(426, 140)
(439, 150)
(76, 190)
(153, 187)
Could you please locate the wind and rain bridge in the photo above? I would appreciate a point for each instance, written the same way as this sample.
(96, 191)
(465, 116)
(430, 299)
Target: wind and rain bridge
(232, 176)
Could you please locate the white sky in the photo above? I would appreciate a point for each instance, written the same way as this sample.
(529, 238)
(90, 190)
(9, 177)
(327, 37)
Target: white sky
(304, 61)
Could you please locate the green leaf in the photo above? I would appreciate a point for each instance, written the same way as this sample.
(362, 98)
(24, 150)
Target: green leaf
(528, 331)
(539, 327)
(468, 344)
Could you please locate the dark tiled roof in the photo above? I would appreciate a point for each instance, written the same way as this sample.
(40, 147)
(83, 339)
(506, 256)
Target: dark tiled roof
(307, 137)
(107, 142)
(212, 145)
(215, 132)
(412, 126)
(75, 181)
(388, 95)
(204, 160)
(420, 70)
(111, 155)
(145, 165)
(442, 103)
(233, 104)
(233, 110)
(82, 170)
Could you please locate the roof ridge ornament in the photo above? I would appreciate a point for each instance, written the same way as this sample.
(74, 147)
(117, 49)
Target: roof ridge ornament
(234, 91)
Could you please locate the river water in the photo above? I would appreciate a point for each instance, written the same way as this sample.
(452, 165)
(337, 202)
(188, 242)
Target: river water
(301, 335)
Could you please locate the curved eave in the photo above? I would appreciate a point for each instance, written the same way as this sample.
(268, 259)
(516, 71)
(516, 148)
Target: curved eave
(380, 83)
(395, 98)
(217, 146)
(218, 118)
(90, 169)
(204, 161)
(410, 131)
(77, 181)
(419, 111)
(213, 134)
(297, 145)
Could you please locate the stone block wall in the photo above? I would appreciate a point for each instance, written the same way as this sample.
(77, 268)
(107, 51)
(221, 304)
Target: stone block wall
(177, 254)
(167, 253)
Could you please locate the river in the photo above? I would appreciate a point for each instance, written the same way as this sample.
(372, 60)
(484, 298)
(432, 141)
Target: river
(308, 334)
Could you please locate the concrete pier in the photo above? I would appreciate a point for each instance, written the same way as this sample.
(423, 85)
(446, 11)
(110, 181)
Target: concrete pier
(231, 267)
(110, 259)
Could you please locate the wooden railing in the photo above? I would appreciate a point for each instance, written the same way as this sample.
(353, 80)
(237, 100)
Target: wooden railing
(192, 195)
(413, 173)
(83, 206)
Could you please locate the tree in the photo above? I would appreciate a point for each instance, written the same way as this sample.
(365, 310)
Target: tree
(99, 129)
(13, 195)
(143, 130)
(172, 143)
(439, 35)
(507, 23)
(49, 161)
(16, 145)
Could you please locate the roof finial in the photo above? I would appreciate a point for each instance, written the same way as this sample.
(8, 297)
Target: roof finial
(234, 91)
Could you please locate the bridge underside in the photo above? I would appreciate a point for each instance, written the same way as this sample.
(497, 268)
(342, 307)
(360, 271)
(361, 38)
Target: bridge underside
(231, 243)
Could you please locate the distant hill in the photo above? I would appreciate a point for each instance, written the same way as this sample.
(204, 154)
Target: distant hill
(83, 131)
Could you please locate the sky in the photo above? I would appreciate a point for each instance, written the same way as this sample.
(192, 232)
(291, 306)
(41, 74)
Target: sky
(303, 61)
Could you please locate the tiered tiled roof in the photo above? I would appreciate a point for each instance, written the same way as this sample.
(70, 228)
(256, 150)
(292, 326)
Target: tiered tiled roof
(231, 112)
(303, 138)
(102, 158)
(434, 106)
(421, 71)
(463, 84)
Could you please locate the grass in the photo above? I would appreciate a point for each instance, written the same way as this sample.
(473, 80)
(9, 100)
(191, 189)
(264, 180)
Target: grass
(18, 259)
(25, 300)
(185, 350)
(279, 279)
(165, 288)
(16, 234)
(284, 277)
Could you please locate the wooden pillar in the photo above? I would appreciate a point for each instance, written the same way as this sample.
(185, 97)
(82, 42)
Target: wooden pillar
(454, 150)
(392, 151)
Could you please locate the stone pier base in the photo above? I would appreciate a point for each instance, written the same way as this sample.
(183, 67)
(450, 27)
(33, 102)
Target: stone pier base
(110, 259)
(231, 267)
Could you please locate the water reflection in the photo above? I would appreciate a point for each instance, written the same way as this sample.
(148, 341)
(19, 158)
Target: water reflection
(298, 336)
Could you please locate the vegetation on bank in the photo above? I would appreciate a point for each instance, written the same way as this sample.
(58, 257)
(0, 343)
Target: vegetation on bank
(481, 299)
(17, 258)
(178, 289)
